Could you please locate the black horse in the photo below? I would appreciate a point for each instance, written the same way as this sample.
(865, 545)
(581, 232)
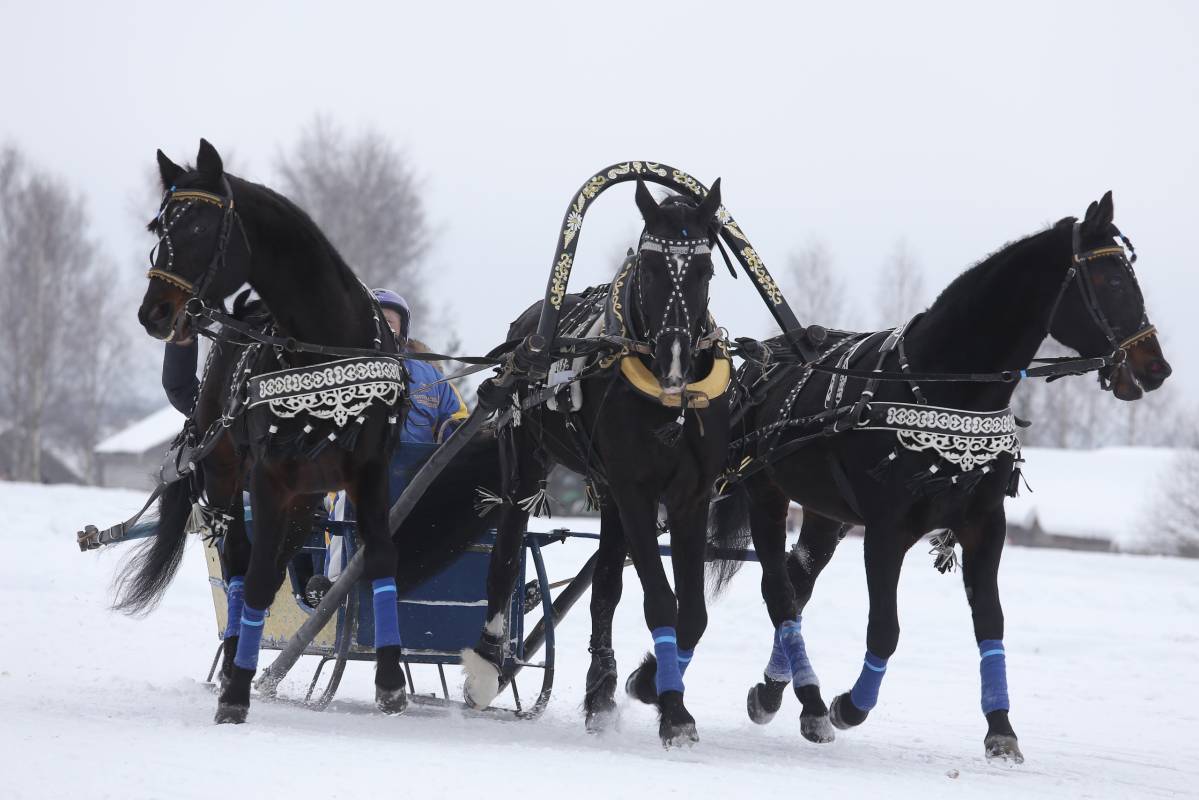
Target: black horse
(302, 425)
(644, 431)
(904, 459)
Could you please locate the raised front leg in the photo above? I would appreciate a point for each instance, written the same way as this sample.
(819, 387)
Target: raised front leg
(787, 585)
(884, 550)
(482, 663)
(659, 678)
(982, 547)
(599, 700)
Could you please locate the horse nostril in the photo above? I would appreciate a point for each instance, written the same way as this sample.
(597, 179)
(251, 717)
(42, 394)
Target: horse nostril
(160, 313)
(1161, 369)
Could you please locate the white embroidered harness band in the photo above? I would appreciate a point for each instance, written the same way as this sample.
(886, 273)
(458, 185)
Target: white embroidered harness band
(967, 439)
(337, 390)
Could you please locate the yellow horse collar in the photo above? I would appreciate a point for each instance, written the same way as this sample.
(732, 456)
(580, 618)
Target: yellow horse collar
(699, 394)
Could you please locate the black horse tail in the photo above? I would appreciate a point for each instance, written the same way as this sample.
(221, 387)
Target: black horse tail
(445, 521)
(728, 529)
(144, 578)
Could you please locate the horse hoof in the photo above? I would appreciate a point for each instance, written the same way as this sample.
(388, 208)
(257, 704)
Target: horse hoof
(678, 734)
(1003, 749)
(758, 704)
(641, 683)
(391, 701)
(844, 714)
(482, 683)
(228, 713)
(601, 720)
(817, 728)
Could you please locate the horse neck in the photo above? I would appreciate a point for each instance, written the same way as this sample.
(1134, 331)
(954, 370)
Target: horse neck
(312, 294)
(994, 317)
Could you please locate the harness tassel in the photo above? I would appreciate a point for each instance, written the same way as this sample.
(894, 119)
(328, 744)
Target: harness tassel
(487, 501)
(879, 470)
(538, 503)
(670, 433)
(349, 436)
(945, 556)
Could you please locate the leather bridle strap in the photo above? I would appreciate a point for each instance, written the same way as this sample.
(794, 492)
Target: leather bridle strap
(228, 218)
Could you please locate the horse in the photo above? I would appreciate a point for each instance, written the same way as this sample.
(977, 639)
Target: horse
(285, 422)
(643, 430)
(957, 453)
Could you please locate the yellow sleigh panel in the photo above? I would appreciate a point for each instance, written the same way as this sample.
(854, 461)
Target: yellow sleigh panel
(283, 619)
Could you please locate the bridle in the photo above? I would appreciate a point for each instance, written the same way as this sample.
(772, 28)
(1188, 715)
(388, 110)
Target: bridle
(189, 199)
(676, 317)
(1080, 273)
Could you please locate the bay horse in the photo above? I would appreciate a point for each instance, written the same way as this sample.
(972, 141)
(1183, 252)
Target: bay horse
(957, 456)
(644, 431)
(290, 423)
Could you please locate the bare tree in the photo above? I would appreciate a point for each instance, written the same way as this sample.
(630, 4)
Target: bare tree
(818, 294)
(364, 194)
(1173, 521)
(52, 317)
(900, 290)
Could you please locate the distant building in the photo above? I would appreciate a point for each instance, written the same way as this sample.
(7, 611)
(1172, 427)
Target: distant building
(130, 458)
(54, 468)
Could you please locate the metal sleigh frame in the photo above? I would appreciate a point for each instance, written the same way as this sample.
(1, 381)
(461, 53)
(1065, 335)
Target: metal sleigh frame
(346, 637)
(340, 643)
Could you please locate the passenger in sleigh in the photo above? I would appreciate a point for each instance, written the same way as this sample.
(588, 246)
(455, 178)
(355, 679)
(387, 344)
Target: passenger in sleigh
(435, 410)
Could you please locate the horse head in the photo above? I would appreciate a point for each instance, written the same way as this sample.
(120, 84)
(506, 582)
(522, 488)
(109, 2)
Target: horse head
(670, 283)
(1106, 315)
(197, 255)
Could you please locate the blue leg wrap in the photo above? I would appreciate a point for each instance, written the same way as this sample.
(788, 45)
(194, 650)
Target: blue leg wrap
(235, 596)
(992, 666)
(864, 693)
(778, 668)
(792, 644)
(387, 621)
(666, 647)
(685, 657)
(252, 620)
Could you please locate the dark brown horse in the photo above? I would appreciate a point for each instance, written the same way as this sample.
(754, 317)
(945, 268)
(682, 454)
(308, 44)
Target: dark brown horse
(303, 424)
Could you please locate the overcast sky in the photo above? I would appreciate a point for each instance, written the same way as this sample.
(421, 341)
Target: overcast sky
(953, 127)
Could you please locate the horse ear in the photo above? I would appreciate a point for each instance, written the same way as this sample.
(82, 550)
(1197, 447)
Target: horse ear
(646, 203)
(711, 204)
(208, 161)
(1107, 211)
(1088, 219)
(168, 170)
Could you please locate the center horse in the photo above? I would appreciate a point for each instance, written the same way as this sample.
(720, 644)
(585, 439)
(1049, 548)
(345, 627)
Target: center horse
(646, 426)
(296, 422)
(906, 457)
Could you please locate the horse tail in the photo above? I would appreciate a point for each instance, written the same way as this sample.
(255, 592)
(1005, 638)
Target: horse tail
(728, 529)
(445, 521)
(145, 576)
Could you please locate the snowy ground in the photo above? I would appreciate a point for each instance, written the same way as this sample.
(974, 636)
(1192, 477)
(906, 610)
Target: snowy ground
(1101, 651)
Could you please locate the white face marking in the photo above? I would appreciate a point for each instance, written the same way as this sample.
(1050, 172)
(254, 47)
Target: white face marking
(676, 366)
(495, 625)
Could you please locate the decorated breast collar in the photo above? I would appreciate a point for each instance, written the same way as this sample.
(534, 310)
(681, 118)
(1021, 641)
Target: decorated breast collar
(336, 390)
(967, 439)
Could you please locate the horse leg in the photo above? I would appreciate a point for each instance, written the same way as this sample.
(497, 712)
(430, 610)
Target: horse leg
(768, 527)
(262, 581)
(482, 663)
(599, 699)
(787, 586)
(370, 496)
(235, 559)
(982, 546)
(658, 680)
(688, 545)
(884, 558)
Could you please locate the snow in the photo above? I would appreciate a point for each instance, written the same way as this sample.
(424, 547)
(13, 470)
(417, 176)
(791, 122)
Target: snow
(1108, 492)
(1101, 651)
(148, 433)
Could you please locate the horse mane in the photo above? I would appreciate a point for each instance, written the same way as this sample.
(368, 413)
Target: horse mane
(280, 217)
(990, 266)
